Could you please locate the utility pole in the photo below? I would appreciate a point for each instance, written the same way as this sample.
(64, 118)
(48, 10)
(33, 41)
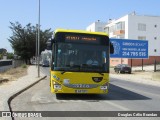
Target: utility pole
(36, 44)
(39, 40)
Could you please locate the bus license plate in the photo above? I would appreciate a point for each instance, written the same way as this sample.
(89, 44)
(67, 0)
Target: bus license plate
(81, 91)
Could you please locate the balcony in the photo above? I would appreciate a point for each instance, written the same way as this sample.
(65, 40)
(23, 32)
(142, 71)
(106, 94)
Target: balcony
(119, 32)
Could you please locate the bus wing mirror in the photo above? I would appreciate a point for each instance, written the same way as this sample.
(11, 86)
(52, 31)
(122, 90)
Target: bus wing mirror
(49, 45)
(111, 48)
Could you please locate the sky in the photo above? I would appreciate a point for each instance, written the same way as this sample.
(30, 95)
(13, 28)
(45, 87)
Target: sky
(67, 14)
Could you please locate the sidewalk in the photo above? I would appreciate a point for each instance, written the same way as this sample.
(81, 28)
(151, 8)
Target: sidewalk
(11, 88)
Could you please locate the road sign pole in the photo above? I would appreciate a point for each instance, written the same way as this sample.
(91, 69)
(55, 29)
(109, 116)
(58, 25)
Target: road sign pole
(155, 65)
(142, 64)
(131, 64)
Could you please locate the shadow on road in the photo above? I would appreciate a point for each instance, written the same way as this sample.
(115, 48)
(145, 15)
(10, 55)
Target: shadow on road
(115, 93)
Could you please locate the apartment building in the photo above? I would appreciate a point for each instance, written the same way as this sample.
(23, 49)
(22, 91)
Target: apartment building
(137, 27)
(96, 26)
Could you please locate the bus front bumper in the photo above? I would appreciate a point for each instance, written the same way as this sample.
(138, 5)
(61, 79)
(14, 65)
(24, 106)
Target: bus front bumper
(58, 88)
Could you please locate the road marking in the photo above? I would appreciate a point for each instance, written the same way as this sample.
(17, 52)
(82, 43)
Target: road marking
(117, 106)
(108, 102)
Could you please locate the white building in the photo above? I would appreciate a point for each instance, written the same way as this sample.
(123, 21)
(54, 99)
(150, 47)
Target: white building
(96, 26)
(138, 27)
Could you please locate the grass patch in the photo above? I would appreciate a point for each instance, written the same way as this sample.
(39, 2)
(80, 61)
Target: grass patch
(14, 73)
(24, 66)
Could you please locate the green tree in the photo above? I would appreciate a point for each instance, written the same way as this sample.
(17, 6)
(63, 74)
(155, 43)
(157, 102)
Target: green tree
(10, 55)
(0, 56)
(23, 40)
(2, 52)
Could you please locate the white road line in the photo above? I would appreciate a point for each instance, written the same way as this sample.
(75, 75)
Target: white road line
(117, 106)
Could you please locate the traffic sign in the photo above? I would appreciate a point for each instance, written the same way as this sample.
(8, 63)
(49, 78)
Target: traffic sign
(127, 48)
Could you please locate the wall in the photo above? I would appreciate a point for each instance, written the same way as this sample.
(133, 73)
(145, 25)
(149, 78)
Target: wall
(116, 61)
(132, 32)
(113, 23)
(96, 27)
(5, 62)
(150, 61)
(11, 64)
(91, 27)
(135, 62)
(150, 33)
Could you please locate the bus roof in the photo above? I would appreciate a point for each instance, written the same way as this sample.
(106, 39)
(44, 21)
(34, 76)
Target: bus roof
(80, 31)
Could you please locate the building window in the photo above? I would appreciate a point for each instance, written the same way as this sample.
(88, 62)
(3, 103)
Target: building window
(106, 29)
(141, 37)
(111, 29)
(120, 26)
(155, 26)
(141, 27)
(155, 38)
(155, 50)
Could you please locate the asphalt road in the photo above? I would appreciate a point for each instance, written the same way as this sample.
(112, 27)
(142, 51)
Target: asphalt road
(123, 96)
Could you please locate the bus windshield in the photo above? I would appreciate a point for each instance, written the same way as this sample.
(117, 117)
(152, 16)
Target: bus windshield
(81, 58)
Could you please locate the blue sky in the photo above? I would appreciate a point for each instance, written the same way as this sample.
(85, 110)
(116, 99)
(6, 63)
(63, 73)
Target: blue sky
(69, 14)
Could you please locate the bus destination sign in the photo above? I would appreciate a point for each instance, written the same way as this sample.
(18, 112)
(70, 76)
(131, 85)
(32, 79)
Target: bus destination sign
(81, 39)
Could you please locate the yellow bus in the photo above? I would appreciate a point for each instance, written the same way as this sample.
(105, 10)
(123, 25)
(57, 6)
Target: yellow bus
(80, 62)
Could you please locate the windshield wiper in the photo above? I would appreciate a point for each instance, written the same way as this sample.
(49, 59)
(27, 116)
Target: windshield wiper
(72, 68)
(101, 73)
(75, 68)
(63, 72)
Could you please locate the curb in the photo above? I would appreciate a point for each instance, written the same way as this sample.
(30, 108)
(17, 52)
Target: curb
(21, 91)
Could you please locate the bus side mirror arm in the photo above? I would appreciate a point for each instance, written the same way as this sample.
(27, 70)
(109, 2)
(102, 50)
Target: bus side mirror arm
(50, 43)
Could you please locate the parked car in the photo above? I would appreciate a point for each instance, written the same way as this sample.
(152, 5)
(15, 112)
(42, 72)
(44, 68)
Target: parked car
(122, 68)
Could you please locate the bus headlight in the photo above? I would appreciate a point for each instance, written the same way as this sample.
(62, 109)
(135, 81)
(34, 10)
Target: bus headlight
(57, 86)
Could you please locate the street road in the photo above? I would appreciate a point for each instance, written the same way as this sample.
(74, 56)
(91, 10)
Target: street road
(123, 96)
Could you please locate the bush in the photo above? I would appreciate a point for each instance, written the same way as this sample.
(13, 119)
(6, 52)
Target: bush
(24, 66)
